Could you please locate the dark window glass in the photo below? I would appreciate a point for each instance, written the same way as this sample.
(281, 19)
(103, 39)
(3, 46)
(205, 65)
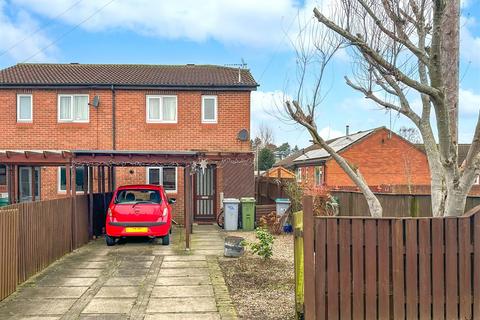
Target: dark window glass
(79, 179)
(3, 175)
(154, 176)
(169, 181)
(137, 196)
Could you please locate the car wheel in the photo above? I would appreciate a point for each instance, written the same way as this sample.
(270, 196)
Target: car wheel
(166, 240)
(110, 240)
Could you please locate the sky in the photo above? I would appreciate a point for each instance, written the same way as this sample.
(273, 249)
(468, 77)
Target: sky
(222, 32)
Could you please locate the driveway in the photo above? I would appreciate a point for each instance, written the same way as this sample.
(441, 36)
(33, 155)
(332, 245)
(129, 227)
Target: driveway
(133, 280)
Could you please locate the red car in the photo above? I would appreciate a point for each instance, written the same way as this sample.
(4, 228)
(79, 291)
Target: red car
(139, 211)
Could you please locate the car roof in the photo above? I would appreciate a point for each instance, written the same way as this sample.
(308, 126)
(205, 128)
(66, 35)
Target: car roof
(140, 186)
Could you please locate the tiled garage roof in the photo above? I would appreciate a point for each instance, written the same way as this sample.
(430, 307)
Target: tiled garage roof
(126, 75)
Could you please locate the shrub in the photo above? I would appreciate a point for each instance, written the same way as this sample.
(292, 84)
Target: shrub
(264, 246)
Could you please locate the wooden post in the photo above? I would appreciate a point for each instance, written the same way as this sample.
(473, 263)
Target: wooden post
(85, 180)
(102, 188)
(309, 257)
(99, 180)
(90, 202)
(74, 206)
(10, 184)
(33, 183)
(110, 189)
(15, 184)
(68, 179)
(188, 205)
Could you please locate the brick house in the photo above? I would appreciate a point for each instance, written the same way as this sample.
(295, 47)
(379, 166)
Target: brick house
(124, 108)
(383, 157)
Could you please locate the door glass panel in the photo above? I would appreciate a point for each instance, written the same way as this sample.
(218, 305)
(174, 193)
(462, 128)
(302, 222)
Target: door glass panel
(25, 184)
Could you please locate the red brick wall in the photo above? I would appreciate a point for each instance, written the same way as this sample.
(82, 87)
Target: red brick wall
(382, 161)
(132, 130)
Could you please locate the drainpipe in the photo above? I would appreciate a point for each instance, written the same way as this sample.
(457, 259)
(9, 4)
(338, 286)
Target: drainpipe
(114, 133)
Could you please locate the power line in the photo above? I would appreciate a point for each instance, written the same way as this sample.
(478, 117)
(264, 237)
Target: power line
(69, 31)
(39, 29)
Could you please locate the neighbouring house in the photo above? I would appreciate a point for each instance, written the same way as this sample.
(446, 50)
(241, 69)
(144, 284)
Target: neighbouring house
(279, 172)
(117, 108)
(383, 157)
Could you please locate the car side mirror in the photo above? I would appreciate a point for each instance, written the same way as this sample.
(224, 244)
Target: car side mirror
(172, 200)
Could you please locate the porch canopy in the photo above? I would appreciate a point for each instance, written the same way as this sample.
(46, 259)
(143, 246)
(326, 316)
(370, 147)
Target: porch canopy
(106, 160)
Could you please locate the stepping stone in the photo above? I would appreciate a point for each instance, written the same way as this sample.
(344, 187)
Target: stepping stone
(92, 265)
(124, 281)
(184, 264)
(130, 272)
(60, 281)
(184, 258)
(115, 305)
(183, 281)
(172, 305)
(80, 273)
(135, 264)
(182, 291)
(183, 316)
(51, 292)
(39, 307)
(117, 292)
(183, 272)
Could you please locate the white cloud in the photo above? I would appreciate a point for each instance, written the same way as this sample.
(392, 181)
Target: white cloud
(267, 105)
(469, 43)
(469, 102)
(246, 22)
(330, 133)
(16, 39)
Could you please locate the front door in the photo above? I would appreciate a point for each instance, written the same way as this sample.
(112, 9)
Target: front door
(25, 183)
(205, 196)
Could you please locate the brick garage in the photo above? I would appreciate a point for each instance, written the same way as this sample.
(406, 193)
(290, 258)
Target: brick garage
(132, 131)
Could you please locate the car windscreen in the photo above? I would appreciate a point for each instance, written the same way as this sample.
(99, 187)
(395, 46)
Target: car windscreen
(134, 196)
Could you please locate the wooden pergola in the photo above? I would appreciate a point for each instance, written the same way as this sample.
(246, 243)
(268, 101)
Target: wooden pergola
(105, 161)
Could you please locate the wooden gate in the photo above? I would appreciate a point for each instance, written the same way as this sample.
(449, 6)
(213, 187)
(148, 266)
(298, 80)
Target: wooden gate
(205, 194)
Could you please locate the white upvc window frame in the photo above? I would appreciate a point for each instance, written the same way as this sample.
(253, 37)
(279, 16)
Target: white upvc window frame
(72, 119)
(215, 120)
(320, 176)
(18, 108)
(161, 177)
(298, 174)
(59, 180)
(160, 97)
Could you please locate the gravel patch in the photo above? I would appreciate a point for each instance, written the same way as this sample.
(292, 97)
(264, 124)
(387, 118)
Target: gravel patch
(262, 289)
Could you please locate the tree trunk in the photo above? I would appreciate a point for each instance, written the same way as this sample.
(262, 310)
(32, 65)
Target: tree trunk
(455, 204)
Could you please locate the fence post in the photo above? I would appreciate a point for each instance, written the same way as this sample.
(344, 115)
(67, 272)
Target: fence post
(299, 263)
(309, 257)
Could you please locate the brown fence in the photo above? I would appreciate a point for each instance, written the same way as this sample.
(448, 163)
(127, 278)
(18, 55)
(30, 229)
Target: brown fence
(35, 234)
(391, 268)
(353, 203)
(268, 189)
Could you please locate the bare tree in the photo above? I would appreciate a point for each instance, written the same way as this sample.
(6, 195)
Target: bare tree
(411, 134)
(265, 134)
(404, 49)
(314, 50)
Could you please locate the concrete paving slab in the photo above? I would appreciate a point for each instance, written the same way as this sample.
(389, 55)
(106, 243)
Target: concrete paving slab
(183, 316)
(109, 305)
(87, 316)
(184, 258)
(41, 307)
(31, 318)
(80, 273)
(135, 264)
(183, 272)
(51, 292)
(91, 265)
(173, 305)
(130, 272)
(117, 292)
(182, 291)
(59, 281)
(184, 264)
(183, 281)
(139, 258)
(218, 252)
(125, 281)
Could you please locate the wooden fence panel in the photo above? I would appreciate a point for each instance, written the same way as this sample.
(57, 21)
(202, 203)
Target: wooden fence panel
(383, 269)
(370, 269)
(332, 269)
(438, 269)
(358, 256)
(344, 234)
(44, 232)
(476, 265)
(424, 266)
(8, 251)
(411, 271)
(451, 269)
(319, 281)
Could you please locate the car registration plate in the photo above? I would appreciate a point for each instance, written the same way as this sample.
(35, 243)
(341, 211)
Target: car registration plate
(136, 229)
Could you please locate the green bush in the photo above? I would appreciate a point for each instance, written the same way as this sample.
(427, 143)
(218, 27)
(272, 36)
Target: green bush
(264, 246)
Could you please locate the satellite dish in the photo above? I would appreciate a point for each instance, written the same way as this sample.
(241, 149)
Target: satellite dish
(95, 102)
(243, 135)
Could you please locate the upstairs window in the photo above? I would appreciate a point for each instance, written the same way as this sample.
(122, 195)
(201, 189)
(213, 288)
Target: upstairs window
(209, 109)
(73, 108)
(24, 108)
(162, 109)
(163, 176)
(298, 174)
(318, 176)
